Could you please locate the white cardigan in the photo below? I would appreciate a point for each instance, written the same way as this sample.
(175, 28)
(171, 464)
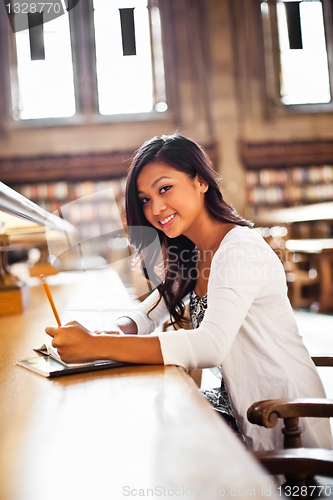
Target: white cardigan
(249, 329)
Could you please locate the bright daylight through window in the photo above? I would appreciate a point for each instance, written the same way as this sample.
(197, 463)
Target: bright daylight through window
(45, 87)
(303, 70)
(126, 82)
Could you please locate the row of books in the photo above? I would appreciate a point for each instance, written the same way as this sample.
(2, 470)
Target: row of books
(282, 176)
(266, 177)
(89, 187)
(77, 212)
(62, 190)
(50, 205)
(285, 195)
(94, 208)
(44, 190)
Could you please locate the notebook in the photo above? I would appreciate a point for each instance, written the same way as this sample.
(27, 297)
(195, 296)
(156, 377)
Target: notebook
(51, 365)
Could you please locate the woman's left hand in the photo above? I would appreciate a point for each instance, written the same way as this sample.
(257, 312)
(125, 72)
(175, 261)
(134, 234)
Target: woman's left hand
(75, 344)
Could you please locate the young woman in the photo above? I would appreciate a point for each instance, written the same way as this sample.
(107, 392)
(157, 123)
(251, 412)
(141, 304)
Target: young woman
(241, 317)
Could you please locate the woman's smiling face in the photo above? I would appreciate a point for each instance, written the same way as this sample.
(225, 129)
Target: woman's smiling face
(171, 201)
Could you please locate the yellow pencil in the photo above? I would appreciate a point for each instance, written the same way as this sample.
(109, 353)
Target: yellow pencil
(49, 296)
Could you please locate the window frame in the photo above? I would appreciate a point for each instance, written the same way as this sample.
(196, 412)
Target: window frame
(85, 77)
(272, 62)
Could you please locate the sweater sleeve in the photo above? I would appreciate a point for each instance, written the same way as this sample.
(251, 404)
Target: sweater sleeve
(238, 273)
(147, 321)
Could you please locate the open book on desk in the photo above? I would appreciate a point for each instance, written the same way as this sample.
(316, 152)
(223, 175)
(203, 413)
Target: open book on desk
(51, 365)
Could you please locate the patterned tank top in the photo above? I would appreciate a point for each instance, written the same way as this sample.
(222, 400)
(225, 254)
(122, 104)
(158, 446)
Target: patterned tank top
(197, 308)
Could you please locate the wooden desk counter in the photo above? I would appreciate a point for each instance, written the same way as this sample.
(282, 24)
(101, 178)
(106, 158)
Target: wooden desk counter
(132, 431)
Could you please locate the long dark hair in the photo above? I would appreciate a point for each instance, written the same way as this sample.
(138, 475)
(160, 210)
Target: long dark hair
(186, 156)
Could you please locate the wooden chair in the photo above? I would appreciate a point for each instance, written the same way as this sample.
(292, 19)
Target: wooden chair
(299, 465)
(302, 278)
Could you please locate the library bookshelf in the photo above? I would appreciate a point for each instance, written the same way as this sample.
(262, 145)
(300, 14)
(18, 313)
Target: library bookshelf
(85, 189)
(94, 208)
(289, 174)
(289, 186)
(289, 189)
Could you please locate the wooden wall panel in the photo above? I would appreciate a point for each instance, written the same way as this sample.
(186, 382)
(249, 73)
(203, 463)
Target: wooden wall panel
(71, 167)
(276, 154)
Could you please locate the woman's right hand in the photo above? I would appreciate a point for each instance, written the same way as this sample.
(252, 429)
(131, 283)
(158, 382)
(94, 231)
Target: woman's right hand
(74, 342)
